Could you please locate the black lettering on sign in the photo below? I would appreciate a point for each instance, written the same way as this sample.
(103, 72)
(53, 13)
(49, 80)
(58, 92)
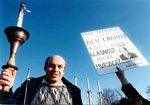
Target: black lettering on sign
(108, 63)
(102, 52)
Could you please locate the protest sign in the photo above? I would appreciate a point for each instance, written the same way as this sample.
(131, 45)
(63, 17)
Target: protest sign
(111, 47)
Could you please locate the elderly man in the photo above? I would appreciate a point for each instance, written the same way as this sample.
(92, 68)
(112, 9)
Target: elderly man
(50, 89)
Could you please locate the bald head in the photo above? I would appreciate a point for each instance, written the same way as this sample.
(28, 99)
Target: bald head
(55, 58)
(54, 68)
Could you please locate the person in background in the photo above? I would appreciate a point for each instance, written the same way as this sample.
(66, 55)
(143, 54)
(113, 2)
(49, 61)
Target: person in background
(49, 89)
(133, 97)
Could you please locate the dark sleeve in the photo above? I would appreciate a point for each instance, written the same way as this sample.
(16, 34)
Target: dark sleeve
(132, 93)
(20, 93)
(7, 97)
(76, 97)
(13, 98)
(79, 98)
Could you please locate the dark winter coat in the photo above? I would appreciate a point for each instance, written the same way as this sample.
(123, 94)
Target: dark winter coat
(33, 86)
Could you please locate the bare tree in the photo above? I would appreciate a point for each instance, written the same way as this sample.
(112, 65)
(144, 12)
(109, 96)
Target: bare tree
(119, 94)
(110, 96)
(148, 91)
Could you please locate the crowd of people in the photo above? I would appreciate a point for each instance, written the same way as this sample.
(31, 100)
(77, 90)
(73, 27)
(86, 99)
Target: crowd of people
(54, 89)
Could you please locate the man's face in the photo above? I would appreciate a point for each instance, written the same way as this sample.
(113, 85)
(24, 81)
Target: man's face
(55, 69)
(124, 51)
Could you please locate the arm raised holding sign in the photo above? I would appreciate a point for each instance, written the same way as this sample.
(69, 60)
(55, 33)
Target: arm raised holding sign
(132, 94)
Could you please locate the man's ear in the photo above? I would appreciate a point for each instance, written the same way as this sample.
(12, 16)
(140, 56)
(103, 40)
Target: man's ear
(46, 64)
